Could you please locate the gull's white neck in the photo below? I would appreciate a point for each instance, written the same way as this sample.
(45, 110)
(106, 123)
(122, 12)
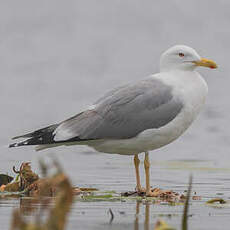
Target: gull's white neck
(184, 80)
(188, 86)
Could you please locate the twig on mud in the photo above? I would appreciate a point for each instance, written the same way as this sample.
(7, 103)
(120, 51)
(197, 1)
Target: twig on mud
(15, 171)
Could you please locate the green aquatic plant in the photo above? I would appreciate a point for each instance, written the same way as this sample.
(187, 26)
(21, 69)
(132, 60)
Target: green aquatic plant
(186, 206)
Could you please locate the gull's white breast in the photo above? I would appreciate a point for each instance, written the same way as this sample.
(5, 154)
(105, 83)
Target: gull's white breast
(189, 87)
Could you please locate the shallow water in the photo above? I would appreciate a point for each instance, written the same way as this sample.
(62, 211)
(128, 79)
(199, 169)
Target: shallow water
(209, 181)
(54, 61)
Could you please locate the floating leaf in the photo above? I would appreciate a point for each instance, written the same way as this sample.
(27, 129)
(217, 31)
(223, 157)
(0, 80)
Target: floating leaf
(162, 225)
(216, 200)
(88, 189)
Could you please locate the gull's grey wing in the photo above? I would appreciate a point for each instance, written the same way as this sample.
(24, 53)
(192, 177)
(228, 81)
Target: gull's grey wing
(123, 113)
(109, 94)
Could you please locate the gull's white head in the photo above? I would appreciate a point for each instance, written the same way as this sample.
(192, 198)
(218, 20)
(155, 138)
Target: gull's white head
(182, 57)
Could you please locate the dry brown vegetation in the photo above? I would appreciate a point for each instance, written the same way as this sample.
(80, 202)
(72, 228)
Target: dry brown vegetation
(58, 184)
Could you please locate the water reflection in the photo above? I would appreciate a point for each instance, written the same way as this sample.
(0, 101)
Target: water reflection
(30, 206)
(147, 213)
(136, 222)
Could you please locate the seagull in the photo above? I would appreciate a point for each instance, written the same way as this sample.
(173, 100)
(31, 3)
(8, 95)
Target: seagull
(137, 117)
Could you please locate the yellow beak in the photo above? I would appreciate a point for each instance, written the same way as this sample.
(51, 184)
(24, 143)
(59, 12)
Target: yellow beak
(206, 63)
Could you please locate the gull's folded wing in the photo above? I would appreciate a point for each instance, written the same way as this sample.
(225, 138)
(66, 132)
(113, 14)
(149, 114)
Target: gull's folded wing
(121, 113)
(125, 113)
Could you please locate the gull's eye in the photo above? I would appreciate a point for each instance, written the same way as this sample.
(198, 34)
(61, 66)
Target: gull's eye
(181, 54)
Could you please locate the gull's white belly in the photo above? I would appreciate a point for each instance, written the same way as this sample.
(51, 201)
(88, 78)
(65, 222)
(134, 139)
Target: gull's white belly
(192, 89)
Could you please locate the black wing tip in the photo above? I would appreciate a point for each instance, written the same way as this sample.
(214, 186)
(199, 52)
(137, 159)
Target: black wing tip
(17, 144)
(13, 145)
(17, 137)
(37, 133)
(38, 137)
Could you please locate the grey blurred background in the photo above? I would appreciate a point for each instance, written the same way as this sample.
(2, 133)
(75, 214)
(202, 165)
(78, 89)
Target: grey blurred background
(57, 57)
